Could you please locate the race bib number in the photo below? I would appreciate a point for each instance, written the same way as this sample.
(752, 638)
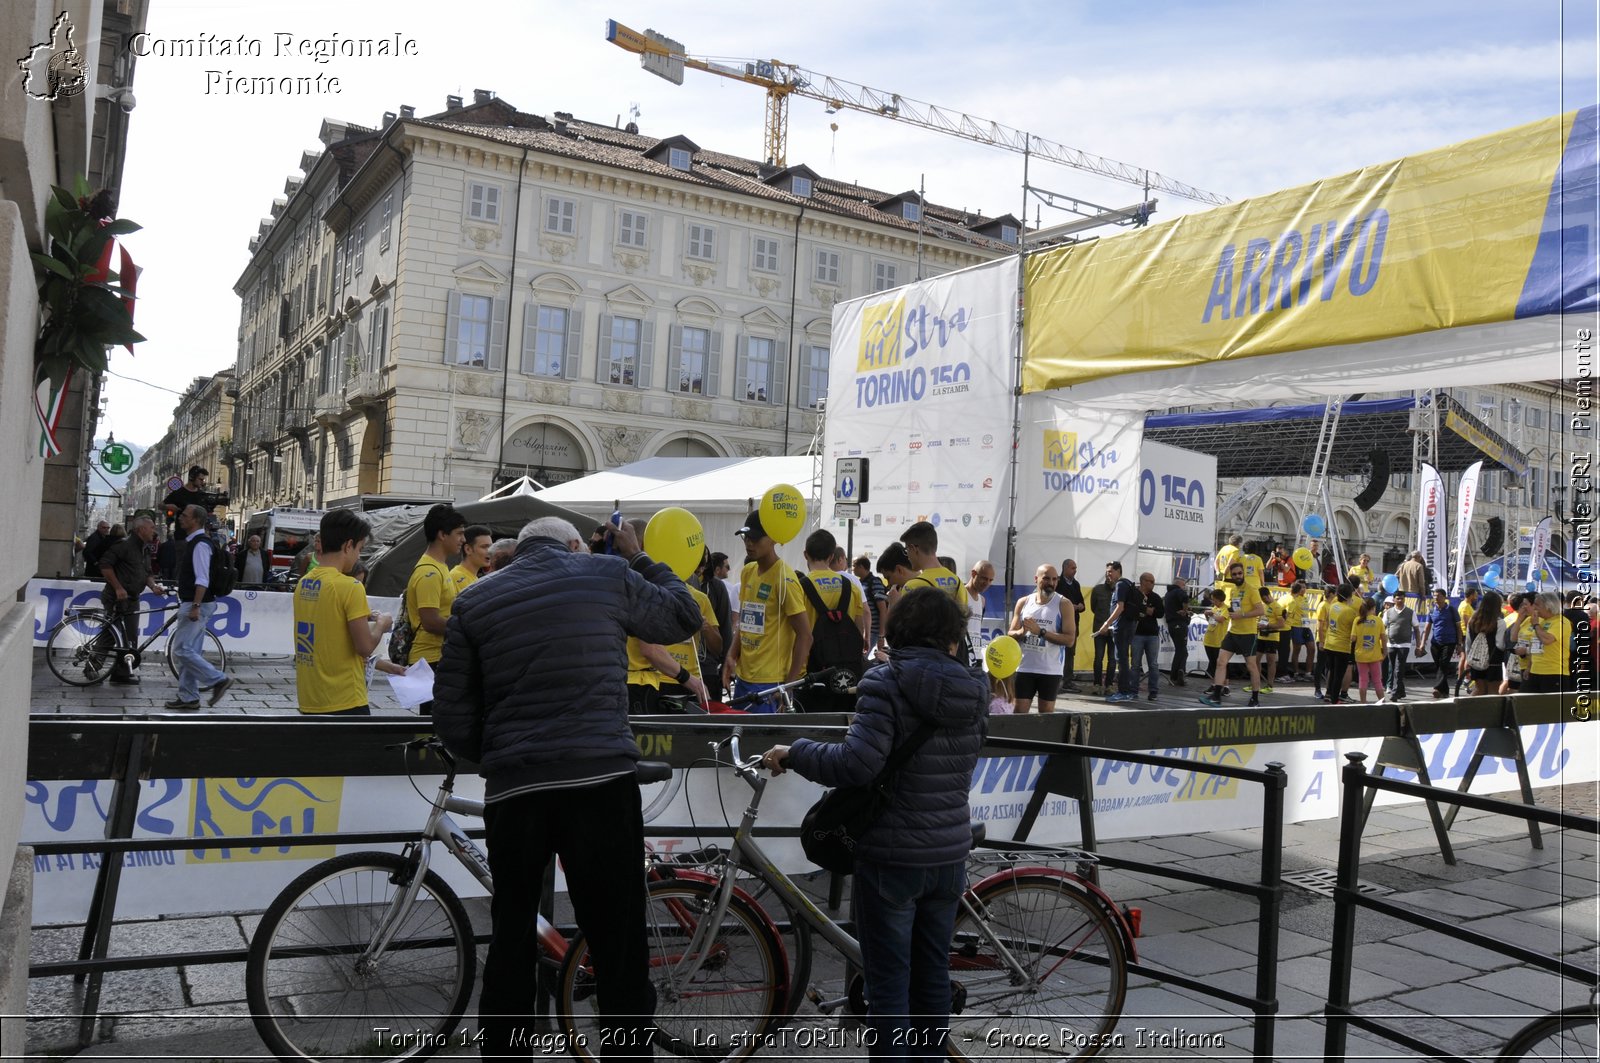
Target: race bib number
(753, 620)
(1032, 642)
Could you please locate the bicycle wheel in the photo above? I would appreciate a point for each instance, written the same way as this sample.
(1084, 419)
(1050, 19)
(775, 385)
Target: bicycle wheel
(210, 648)
(719, 1013)
(82, 648)
(1067, 996)
(314, 990)
(1563, 1035)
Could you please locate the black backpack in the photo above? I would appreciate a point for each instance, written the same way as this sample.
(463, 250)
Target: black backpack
(835, 639)
(401, 635)
(222, 574)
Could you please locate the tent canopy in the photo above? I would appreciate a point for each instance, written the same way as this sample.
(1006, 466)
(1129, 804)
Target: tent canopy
(398, 533)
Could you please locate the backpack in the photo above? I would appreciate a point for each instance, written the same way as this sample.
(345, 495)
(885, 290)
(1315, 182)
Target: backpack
(835, 638)
(1480, 654)
(221, 572)
(401, 635)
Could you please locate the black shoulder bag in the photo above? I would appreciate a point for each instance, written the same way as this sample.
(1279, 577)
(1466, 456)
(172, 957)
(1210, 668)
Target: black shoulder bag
(834, 825)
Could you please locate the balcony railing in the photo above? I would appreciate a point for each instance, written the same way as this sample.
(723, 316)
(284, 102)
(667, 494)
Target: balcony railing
(363, 389)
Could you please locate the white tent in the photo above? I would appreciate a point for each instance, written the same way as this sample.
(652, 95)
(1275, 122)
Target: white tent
(720, 491)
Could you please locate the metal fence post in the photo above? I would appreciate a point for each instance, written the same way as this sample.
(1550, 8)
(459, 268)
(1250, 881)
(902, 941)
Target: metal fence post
(1344, 908)
(1271, 907)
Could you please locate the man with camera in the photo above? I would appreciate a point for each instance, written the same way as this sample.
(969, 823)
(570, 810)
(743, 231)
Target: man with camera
(192, 493)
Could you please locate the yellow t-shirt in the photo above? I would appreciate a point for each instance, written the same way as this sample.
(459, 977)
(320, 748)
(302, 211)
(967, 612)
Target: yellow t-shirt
(766, 602)
(329, 674)
(1253, 570)
(1366, 636)
(827, 585)
(430, 587)
(1241, 600)
(1362, 574)
(687, 653)
(1225, 557)
(1551, 659)
(1341, 618)
(1319, 618)
(1465, 611)
(1294, 610)
(1270, 625)
(461, 579)
(940, 577)
(1216, 627)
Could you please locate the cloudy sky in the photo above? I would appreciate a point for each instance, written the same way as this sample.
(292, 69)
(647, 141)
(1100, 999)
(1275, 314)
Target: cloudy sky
(1237, 98)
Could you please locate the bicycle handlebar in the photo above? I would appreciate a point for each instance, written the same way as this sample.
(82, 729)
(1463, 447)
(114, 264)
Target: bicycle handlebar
(809, 679)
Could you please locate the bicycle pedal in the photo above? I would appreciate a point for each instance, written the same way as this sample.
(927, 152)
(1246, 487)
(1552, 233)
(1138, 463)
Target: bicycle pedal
(827, 1007)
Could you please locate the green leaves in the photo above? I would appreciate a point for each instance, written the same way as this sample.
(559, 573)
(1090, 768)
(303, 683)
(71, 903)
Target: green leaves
(82, 306)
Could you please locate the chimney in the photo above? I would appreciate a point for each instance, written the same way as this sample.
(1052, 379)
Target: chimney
(452, 103)
(482, 95)
(388, 119)
(407, 111)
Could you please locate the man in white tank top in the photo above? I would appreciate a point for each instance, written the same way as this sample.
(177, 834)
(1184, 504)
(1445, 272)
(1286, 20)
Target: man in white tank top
(1036, 623)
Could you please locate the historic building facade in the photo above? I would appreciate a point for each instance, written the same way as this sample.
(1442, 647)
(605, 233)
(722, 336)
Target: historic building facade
(451, 302)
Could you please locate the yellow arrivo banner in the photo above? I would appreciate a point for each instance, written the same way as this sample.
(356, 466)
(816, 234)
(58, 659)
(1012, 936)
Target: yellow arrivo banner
(1431, 241)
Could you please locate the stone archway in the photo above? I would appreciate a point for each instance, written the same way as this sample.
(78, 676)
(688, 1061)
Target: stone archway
(686, 447)
(547, 452)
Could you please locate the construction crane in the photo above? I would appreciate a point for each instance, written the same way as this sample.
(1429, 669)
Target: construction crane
(666, 58)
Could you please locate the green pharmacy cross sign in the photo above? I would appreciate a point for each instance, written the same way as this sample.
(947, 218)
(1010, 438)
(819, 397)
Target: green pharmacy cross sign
(116, 458)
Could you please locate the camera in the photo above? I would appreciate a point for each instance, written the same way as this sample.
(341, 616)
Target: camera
(122, 97)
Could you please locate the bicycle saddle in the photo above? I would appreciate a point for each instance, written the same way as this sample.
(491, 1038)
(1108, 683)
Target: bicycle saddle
(652, 771)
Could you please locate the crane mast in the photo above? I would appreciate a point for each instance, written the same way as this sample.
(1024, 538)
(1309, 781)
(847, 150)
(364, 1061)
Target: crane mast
(666, 58)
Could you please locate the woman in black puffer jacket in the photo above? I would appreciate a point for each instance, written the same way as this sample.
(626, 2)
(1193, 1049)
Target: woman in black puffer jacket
(911, 864)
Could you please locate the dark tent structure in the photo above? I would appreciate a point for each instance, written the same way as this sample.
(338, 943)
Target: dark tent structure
(397, 532)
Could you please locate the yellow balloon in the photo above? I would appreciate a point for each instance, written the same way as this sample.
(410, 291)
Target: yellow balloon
(783, 512)
(1002, 655)
(1303, 558)
(674, 537)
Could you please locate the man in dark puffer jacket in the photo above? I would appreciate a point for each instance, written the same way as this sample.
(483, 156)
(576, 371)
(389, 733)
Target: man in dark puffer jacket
(533, 686)
(911, 863)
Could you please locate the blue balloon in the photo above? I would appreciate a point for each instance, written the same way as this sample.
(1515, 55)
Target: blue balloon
(1533, 585)
(1314, 524)
(1391, 582)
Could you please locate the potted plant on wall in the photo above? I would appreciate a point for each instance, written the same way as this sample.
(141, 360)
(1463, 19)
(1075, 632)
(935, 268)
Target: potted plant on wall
(85, 306)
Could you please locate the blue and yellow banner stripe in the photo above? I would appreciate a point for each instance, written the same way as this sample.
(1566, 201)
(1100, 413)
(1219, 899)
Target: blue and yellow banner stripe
(1489, 230)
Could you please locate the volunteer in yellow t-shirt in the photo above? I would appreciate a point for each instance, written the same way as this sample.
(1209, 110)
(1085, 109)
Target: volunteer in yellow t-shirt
(334, 628)
(1550, 652)
(1367, 646)
(1297, 613)
(430, 592)
(475, 543)
(1244, 607)
(1228, 555)
(1270, 637)
(655, 671)
(1336, 644)
(1216, 626)
(1361, 574)
(921, 541)
(828, 649)
(774, 633)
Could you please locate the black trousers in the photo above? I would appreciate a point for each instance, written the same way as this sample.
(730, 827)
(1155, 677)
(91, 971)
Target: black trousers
(598, 831)
(1443, 653)
(1180, 652)
(125, 614)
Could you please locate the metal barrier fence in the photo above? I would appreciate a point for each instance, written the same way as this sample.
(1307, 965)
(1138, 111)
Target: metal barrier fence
(127, 751)
(1358, 785)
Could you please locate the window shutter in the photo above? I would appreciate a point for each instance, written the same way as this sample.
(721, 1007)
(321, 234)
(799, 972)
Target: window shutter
(780, 375)
(674, 358)
(741, 368)
(573, 355)
(530, 335)
(497, 333)
(805, 396)
(602, 362)
(647, 353)
(714, 363)
(452, 327)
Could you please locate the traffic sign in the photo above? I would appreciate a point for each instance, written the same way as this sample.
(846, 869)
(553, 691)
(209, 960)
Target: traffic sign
(114, 458)
(174, 483)
(847, 511)
(850, 480)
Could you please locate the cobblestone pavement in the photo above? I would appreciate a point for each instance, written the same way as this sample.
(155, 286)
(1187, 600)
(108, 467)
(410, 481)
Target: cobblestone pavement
(1463, 998)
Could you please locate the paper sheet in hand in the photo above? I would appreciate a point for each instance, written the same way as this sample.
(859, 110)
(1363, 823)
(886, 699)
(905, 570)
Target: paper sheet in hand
(415, 687)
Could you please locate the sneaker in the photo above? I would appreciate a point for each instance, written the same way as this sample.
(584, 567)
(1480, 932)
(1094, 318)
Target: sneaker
(1226, 691)
(179, 705)
(1119, 696)
(1210, 698)
(1265, 690)
(1152, 695)
(1254, 702)
(220, 689)
(1072, 688)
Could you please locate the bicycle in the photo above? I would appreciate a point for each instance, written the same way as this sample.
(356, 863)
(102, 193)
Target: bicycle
(1572, 1033)
(1038, 961)
(373, 954)
(86, 643)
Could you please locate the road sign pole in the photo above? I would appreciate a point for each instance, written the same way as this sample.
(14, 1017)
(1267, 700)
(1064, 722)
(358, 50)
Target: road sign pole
(850, 541)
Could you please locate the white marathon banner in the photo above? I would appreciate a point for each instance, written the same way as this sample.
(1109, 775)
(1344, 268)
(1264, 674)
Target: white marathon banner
(1537, 549)
(1177, 498)
(247, 621)
(1131, 801)
(1466, 497)
(920, 384)
(1432, 535)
